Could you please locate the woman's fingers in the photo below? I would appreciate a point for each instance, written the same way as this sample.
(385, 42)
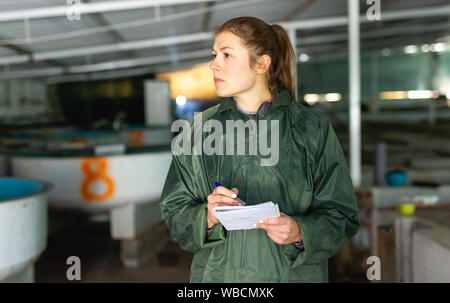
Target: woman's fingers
(276, 238)
(218, 198)
(280, 229)
(275, 224)
(221, 196)
(224, 191)
(281, 226)
(274, 221)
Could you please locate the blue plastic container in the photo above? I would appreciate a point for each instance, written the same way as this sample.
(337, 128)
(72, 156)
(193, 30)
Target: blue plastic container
(11, 188)
(396, 178)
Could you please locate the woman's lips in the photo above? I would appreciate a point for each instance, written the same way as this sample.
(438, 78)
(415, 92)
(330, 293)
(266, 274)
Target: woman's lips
(217, 80)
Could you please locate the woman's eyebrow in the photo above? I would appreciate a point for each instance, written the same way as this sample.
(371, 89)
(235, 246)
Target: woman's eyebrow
(222, 48)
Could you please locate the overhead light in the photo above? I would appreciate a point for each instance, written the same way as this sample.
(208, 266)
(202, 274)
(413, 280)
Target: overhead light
(330, 97)
(422, 94)
(311, 98)
(303, 57)
(333, 97)
(411, 49)
(386, 52)
(412, 94)
(437, 47)
(425, 48)
(181, 100)
(393, 95)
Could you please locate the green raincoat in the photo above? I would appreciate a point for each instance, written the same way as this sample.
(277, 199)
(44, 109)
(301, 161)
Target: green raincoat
(310, 183)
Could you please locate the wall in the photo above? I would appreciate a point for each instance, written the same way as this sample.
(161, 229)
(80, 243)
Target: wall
(22, 98)
(396, 72)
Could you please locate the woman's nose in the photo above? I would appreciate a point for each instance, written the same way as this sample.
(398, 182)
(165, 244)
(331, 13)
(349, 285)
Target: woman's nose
(213, 65)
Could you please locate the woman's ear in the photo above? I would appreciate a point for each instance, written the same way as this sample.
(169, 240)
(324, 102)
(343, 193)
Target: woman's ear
(263, 64)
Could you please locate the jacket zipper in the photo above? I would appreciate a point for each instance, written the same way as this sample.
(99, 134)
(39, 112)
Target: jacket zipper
(248, 179)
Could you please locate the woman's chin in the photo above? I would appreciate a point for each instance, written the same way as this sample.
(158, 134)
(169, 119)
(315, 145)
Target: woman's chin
(222, 94)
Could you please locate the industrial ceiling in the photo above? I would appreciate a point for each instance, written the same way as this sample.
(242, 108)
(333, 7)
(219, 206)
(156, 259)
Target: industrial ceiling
(63, 40)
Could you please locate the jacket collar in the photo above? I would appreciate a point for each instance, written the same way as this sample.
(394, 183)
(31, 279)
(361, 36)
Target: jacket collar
(283, 98)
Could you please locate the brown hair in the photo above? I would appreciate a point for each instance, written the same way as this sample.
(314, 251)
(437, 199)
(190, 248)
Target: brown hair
(272, 40)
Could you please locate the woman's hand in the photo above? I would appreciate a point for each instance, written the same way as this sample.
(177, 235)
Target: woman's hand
(282, 230)
(221, 196)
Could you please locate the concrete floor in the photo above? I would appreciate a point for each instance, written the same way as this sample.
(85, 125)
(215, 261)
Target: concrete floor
(100, 258)
(75, 235)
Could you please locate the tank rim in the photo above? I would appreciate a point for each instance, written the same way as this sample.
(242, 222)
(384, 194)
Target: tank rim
(47, 187)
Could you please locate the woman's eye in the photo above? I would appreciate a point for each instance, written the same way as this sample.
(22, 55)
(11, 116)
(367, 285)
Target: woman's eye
(225, 54)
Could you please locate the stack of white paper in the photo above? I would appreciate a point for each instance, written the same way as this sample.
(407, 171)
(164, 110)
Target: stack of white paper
(244, 217)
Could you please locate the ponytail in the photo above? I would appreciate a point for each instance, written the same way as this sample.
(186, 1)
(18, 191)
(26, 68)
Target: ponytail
(284, 73)
(272, 40)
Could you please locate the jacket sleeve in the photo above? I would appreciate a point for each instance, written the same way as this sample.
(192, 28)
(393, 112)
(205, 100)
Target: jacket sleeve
(183, 211)
(333, 216)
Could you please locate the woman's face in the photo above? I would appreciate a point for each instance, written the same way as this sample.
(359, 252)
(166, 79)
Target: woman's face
(231, 66)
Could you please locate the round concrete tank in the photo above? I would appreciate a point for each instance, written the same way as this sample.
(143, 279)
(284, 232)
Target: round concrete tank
(96, 184)
(109, 176)
(23, 227)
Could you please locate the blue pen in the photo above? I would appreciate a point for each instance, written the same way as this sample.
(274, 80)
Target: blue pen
(242, 203)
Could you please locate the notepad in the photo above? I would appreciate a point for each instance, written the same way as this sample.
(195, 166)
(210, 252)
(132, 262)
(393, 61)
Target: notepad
(244, 217)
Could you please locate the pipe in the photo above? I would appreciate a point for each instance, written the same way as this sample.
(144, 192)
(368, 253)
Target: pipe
(355, 92)
(89, 8)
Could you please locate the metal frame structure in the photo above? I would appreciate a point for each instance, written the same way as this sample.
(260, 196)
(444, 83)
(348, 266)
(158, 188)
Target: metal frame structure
(292, 27)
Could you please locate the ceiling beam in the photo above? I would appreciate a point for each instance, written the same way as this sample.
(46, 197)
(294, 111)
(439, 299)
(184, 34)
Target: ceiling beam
(119, 64)
(107, 48)
(301, 7)
(106, 66)
(89, 8)
(23, 55)
(15, 59)
(99, 75)
(101, 21)
(206, 16)
(114, 34)
(117, 47)
(443, 10)
(111, 74)
(377, 33)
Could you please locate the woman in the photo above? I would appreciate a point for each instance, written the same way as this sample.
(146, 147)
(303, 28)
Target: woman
(254, 68)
